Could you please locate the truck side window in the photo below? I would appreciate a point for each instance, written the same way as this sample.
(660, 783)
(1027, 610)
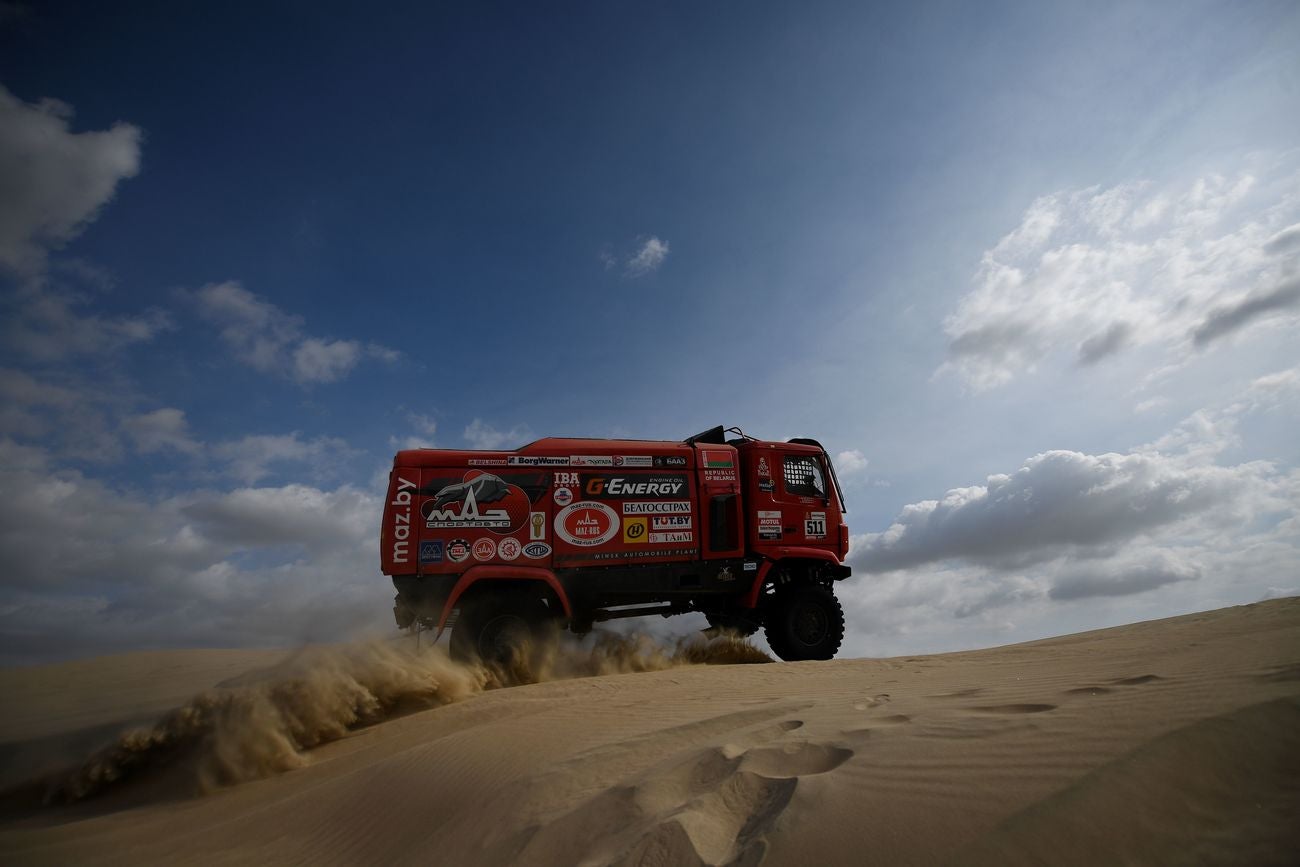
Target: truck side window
(803, 477)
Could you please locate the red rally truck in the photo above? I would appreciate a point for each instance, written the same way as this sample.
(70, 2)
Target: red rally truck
(496, 544)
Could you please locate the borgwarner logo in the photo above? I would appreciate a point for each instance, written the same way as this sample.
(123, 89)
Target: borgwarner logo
(462, 505)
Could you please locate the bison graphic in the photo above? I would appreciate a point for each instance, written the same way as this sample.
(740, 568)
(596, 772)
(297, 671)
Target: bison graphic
(487, 488)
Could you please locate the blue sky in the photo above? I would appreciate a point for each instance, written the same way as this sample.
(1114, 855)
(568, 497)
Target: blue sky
(991, 254)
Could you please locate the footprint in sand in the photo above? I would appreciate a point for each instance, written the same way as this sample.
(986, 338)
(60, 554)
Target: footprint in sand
(1089, 690)
(714, 807)
(1135, 681)
(1013, 709)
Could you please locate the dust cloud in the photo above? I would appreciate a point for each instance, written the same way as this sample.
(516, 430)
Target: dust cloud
(265, 722)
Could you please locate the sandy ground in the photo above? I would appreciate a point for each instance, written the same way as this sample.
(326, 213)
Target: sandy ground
(1174, 741)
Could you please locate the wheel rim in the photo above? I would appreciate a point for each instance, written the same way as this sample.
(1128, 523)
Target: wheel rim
(502, 637)
(809, 623)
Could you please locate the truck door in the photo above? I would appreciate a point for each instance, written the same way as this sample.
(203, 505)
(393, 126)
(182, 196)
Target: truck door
(720, 505)
(790, 498)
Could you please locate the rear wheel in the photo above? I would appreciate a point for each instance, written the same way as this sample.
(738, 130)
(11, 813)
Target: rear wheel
(497, 630)
(804, 621)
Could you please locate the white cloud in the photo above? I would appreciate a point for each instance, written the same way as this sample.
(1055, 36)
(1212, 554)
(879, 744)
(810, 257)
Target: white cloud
(1098, 271)
(481, 435)
(253, 566)
(161, 430)
(850, 462)
(251, 458)
(648, 258)
(44, 324)
(266, 338)
(54, 181)
(427, 427)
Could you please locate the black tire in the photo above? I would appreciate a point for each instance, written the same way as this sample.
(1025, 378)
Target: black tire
(804, 621)
(742, 626)
(496, 630)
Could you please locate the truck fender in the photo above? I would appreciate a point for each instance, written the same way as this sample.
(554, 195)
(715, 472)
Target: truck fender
(475, 574)
(786, 552)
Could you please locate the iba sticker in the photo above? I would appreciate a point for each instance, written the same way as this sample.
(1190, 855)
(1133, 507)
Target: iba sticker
(458, 550)
(509, 548)
(586, 524)
(484, 549)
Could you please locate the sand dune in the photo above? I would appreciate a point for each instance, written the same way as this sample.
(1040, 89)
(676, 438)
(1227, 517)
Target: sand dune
(1174, 741)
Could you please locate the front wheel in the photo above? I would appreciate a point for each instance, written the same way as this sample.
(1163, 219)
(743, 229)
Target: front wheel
(804, 621)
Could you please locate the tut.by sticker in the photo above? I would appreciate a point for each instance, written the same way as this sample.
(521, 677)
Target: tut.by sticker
(634, 531)
(484, 549)
(509, 548)
(814, 526)
(431, 551)
(458, 550)
(671, 522)
(537, 526)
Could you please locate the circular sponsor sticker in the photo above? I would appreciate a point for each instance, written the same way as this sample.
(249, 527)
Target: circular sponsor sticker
(563, 496)
(509, 548)
(586, 524)
(537, 550)
(458, 550)
(484, 549)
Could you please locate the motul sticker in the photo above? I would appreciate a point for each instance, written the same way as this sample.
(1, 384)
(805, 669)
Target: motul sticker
(458, 550)
(672, 522)
(656, 508)
(537, 461)
(661, 486)
(537, 526)
(480, 500)
(537, 551)
(563, 496)
(484, 549)
(814, 526)
(634, 531)
(660, 538)
(586, 524)
(509, 548)
(769, 525)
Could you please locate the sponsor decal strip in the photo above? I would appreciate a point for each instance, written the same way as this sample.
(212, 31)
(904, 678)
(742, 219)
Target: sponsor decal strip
(661, 508)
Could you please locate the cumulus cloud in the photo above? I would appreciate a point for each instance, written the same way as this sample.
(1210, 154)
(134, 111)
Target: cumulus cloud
(46, 323)
(481, 435)
(426, 428)
(265, 565)
(1102, 270)
(268, 339)
(1069, 528)
(252, 458)
(161, 430)
(850, 462)
(1058, 501)
(648, 258)
(54, 181)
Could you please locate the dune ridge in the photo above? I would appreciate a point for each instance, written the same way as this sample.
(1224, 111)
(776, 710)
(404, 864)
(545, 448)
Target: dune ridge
(1168, 742)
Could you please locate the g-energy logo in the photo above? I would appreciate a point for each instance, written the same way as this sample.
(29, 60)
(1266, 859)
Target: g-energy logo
(609, 485)
(402, 520)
